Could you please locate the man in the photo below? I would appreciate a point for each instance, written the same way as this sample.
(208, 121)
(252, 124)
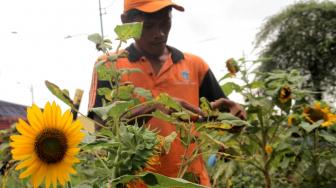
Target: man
(183, 76)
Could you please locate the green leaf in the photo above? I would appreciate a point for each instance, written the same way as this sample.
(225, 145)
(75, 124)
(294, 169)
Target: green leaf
(333, 161)
(62, 95)
(217, 126)
(129, 71)
(309, 127)
(128, 31)
(257, 84)
(115, 110)
(147, 94)
(166, 100)
(106, 73)
(262, 103)
(125, 92)
(231, 119)
(102, 111)
(327, 136)
(228, 75)
(229, 87)
(119, 107)
(154, 180)
(227, 116)
(96, 38)
(168, 141)
(106, 92)
(160, 115)
(101, 44)
(183, 115)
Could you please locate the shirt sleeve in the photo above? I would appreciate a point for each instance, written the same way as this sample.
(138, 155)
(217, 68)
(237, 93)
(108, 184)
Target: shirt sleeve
(210, 88)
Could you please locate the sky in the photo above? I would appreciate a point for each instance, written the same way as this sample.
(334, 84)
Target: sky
(47, 40)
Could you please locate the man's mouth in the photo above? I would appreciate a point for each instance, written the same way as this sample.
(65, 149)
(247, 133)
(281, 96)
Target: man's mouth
(158, 43)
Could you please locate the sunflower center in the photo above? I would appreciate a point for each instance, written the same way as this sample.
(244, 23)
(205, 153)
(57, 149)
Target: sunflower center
(285, 93)
(316, 114)
(51, 145)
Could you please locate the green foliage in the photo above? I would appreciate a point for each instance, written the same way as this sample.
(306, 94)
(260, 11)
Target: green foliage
(287, 143)
(128, 31)
(303, 37)
(101, 43)
(154, 180)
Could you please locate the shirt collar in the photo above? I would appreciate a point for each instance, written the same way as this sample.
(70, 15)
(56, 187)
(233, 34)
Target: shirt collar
(134, 55)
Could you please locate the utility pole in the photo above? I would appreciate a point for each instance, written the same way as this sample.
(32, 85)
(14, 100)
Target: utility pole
(101, 20)
(32, 93)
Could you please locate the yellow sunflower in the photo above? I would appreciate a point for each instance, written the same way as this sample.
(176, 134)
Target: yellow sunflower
(47, 145)
(293, 119)
(319, 112)
(285, 94)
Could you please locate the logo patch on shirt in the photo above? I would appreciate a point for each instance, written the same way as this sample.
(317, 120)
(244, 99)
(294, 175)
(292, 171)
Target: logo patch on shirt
(185, 75)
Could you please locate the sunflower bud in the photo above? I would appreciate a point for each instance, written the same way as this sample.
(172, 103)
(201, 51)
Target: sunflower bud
(284, 94)
(268, 149)
(232, 66)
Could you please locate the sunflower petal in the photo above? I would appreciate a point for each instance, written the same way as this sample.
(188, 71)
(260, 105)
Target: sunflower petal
(22, 151)
(30, 170)
(35, 118)
(60, 177)
(74, 142)
(69, 159)
(74, 127)
(48, 179)
(26, 163)
(58, 117)
(47, 115)
(67, 119)
(21, 139)
(53, 175)
(25, 129)
(53, 114)
(39, 175)
(72, 151)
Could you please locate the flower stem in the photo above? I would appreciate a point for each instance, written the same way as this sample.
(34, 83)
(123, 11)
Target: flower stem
(316, 158)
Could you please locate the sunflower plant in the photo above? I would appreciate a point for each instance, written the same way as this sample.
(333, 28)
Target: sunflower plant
(291, 140)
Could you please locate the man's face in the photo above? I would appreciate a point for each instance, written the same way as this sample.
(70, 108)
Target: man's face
(155, 32)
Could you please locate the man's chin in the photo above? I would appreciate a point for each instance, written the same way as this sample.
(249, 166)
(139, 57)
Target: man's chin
(155, 52)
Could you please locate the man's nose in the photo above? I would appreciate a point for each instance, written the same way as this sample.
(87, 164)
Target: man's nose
(159, 33)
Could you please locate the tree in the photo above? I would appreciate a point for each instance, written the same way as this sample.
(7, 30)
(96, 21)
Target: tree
(303, 37)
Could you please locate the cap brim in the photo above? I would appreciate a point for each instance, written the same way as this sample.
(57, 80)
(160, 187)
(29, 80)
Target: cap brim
(158, 5)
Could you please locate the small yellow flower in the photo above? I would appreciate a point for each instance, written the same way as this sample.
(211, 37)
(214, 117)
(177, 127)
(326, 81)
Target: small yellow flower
(293, 119)
(232, 66)
(47, 145)
(268, 149)
(285, 94)
(290, 120)
(318, 112)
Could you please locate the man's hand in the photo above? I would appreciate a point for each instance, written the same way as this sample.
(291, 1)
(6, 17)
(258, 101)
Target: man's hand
(234, 108)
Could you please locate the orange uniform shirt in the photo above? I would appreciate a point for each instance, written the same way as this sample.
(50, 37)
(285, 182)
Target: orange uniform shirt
(184, 76)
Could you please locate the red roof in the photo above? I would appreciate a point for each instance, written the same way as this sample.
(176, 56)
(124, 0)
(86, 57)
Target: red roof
(10, 113)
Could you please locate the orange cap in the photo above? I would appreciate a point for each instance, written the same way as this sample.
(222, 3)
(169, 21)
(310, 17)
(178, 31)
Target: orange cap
(150, 6)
